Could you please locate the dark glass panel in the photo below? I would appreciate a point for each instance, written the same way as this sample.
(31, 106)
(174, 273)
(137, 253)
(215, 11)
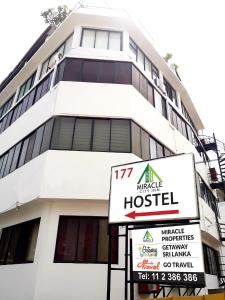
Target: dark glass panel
(9, 118)
(66, 246)
(164, 110)
(63, 133)
(47, 136)
(11, 252)
(82, 135)
(101, 135)
(106, 72)
(88, 240)
(145, 153)
(19, 110)
(90, 71)
(151, 95)
(44, 87)
(4, 161)
(122, 72)
(38, 92)
(135, 78)
(143, 86)
(30, 147)
(60, 70)
(9, 161)
(31, 99)
(24, 104)
(73, 70)
(120, 136)
(160, 152)
(38, 140)
(167, 152)
(4, 243)
(23, 152)
(136, 139)
(15, 157)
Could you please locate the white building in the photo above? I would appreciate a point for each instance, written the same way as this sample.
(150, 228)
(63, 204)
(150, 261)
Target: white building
(92, 94)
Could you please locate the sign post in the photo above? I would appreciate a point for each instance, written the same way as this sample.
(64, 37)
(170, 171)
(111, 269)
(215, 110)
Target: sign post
(153, 194)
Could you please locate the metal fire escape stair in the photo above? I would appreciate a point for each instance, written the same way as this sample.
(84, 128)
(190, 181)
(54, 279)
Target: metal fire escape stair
(206, 144)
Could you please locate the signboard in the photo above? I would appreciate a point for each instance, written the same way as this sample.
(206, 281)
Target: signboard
(159, 189)
(169, 255)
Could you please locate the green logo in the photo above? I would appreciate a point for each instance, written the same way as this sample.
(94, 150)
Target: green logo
(147, 237)
(149, 175)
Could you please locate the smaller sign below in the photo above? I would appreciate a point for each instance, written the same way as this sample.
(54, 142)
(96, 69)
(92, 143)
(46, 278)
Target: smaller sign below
(168, 255)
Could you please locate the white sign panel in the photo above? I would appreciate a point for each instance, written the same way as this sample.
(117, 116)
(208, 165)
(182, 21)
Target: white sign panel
(160, 189)
(170, 255)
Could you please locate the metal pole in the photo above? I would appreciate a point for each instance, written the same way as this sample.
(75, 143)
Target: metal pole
(131, 274)
(109, 263)
(126, 262)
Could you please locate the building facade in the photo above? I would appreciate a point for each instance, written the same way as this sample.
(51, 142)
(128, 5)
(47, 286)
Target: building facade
(89, 95)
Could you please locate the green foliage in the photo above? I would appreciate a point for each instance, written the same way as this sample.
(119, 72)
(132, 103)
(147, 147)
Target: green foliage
(168, 56)
(55, 16)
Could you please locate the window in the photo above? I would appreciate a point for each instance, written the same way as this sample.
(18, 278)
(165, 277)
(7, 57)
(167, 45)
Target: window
(145, 153)
(101, 39)
(81, 134)
(153, 148)
(84, 240)
(101, 135)
(171, 93)
(138, 55)
(6, 106)
(160, 103)
(120, 136)
(18, 243)
(211, 260)
(58, 54)
(26, 86)
(63, 133)
(90, 70)
(136, 139)
(155, 72)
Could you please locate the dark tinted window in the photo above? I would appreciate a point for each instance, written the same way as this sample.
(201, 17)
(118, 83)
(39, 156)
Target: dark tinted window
(136, 139)
(84, 240)
(82, 135)
(90, 71)
(145, 154)
(135, 78)
(120, 136)
(101, 135)
(18, 243)
(73, 70)
(63, 133)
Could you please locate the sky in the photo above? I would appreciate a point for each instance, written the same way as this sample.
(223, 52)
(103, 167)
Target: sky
(192, 30)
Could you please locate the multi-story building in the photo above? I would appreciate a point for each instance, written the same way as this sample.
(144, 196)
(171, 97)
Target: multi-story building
(88, 95)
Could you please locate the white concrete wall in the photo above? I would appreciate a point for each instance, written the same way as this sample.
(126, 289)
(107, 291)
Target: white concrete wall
(45, 279)
(61, 174)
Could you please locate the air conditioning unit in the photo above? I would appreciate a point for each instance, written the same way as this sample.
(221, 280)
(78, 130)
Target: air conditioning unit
(157, 82)
(54, 60)
(162, 87)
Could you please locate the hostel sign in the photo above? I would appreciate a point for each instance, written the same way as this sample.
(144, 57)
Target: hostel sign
(160, 189)
(169, 255)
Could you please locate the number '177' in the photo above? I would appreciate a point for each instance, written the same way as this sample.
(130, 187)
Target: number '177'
(123, 173)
